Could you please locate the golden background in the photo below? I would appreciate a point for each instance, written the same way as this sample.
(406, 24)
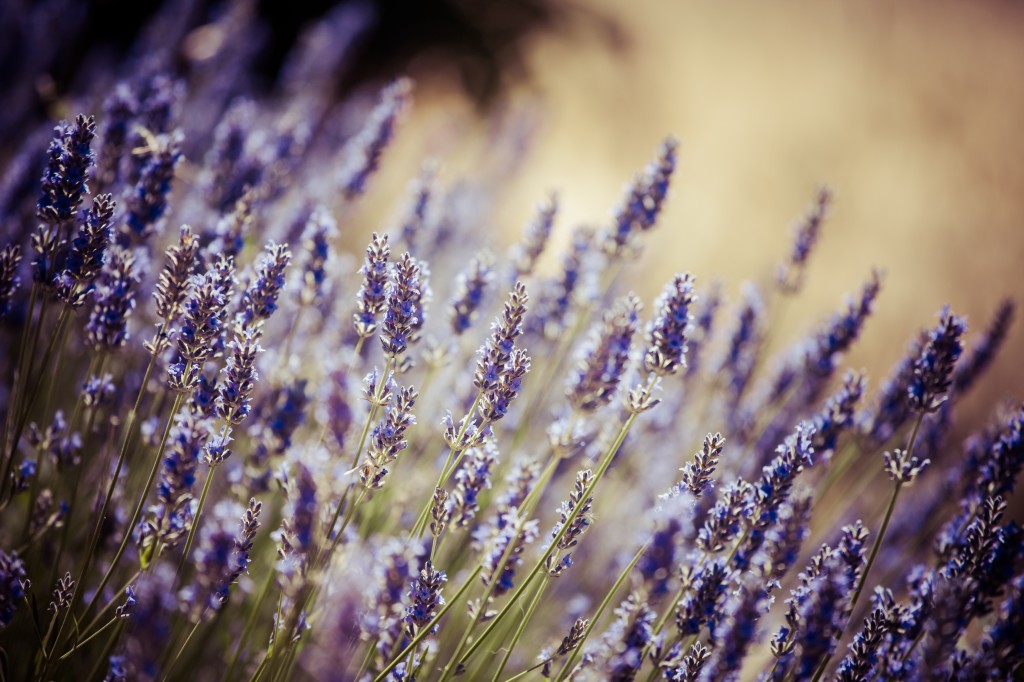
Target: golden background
(910, 111)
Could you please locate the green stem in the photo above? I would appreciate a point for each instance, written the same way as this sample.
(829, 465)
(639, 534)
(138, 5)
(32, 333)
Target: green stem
(195, 523)
(609, 595)
(170, 666)
(79, 644)
(484, 600)
(32, 387)
(106, 607)
(452, 461)
(179, 398)
(250, 623)
(874, 549)
(519, 630)
(602, 468)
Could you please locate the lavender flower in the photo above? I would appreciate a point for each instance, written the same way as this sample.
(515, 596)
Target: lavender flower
(425, 595)
(66, 179)
(816, 613)
(172, 283)
(13, 585)
(602, 361)
(524, 255)
(363, 153)
(440, 512)
(497, 350)
(235, 394)
(623, 646)
(228, 236)
(680, 668)
(558, 297)
(87, 255)
(394, 567)
(517, 485)
(666, 335)
(933, 369)
(421, 198)
(773, 488)
(316, 238)
(495, 402)
(470, 289)
(893, 403)
(984, 350)
(725, 518)
(223, 558)
(388, 439)
(228, 175)
(737, 365)
(575, 519)
(510, 540)
(837, 414)
(642, 204)
(741, 614)
(119, 108)
(107, 327)
(169, 519)
(697, 474)
(373, 291)
(10, 258)
(707, 305)
(784, 539)
(146, 203)
(790, 275)
(260, 300)
(402, 312)
(301, 517)
(903, 467)
(45, 242)
(62, 593)
(201, 325)
(117, 670)
(569, 643)
(885, 617)
(842, 330)
(470, 480)
(705, 588)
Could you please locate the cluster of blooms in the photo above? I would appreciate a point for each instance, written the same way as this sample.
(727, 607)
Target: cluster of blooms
(140, 468)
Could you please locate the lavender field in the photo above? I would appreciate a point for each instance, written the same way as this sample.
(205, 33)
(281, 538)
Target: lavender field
(251, 431)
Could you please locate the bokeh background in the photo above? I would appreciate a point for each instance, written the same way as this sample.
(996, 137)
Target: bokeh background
(909, 110)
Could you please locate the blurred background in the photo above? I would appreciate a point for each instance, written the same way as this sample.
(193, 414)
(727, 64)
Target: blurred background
(909, 110)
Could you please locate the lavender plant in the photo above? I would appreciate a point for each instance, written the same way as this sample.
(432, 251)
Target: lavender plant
(523, 504)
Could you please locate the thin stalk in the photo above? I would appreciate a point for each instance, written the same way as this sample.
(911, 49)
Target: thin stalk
(372, 414)
(454, 456)
(179, 398)
(184, 645)
(81, 643)
(874, 549)
(19, 368)
(609, 595)
(291, 332)
(250, 623)
(31, 388)
(519, 630)
(106, 607)
(195, 523)
(602, 468)
(355, 353)
(484, 601)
